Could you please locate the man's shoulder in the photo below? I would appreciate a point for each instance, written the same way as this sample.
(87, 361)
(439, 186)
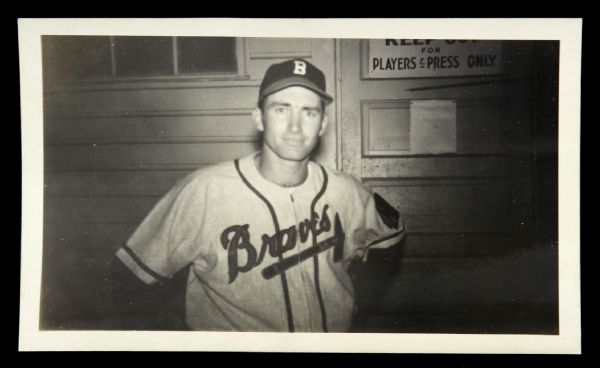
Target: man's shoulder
(212, 173)
(344, 181)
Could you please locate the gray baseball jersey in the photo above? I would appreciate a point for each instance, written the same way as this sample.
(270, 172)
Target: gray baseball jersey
(263, 257)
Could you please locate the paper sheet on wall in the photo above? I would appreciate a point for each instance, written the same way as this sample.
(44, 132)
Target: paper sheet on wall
(432, 126)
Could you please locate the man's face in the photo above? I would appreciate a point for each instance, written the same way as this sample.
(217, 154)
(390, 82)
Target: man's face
(292, 120)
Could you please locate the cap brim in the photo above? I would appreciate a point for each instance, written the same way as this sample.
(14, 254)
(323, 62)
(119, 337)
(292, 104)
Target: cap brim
(288, 82)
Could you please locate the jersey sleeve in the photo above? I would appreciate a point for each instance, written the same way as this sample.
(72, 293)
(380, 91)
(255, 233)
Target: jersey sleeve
(384, 227)
(165, 242)
(379, 224)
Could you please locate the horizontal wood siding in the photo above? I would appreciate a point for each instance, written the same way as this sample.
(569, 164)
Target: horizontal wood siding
(112, 149)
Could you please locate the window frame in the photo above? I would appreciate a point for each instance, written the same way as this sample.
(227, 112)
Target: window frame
(240, 74)
(113, 80)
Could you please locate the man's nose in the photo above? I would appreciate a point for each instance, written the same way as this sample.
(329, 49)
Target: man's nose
(295, 124)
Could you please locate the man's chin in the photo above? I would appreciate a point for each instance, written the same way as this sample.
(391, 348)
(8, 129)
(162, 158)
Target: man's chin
(291, 154)
(298, 158)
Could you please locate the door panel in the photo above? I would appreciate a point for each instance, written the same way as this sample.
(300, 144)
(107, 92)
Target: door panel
(493, 140)
(462, 209)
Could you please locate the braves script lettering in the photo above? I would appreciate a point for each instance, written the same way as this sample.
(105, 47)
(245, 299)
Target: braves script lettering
(236, 240)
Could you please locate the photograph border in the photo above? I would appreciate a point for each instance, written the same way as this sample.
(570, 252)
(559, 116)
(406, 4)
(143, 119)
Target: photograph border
(567, 31)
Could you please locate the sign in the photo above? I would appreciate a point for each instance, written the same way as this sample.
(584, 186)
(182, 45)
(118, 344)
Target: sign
(413, 58)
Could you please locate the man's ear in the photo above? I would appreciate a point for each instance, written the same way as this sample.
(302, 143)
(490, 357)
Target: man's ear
(324, 124)
(257, 118)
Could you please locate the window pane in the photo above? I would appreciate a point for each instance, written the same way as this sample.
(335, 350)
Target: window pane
(143, 56)
(207, 55)
(73, 58)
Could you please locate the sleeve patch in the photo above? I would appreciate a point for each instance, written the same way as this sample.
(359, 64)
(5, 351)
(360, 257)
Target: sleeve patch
(387, 212)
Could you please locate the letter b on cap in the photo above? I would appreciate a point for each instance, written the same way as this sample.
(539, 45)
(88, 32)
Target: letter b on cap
(300, 67)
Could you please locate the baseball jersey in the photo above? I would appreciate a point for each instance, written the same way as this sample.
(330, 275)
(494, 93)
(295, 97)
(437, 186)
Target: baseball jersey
(263, 257)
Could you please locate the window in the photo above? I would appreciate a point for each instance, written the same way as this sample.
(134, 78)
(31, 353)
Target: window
(206, 54)
(73, 58)
(77, 58)
(142, 56)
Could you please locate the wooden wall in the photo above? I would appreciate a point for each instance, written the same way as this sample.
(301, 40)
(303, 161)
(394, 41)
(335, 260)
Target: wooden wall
(114, 147)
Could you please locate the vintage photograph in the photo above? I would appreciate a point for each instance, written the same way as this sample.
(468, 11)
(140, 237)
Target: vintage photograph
(370, 185)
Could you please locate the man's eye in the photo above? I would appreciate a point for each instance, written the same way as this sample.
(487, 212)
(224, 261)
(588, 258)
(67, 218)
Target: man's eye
(280, 110)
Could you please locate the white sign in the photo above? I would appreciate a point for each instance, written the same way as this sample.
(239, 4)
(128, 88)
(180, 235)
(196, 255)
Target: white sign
(414, 58)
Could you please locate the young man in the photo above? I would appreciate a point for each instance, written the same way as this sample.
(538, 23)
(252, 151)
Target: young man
(269, 237)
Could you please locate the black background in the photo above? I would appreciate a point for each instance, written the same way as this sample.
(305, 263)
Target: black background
(12, 175)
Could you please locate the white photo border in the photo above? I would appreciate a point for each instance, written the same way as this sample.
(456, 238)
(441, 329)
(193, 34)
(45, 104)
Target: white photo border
(567, 31)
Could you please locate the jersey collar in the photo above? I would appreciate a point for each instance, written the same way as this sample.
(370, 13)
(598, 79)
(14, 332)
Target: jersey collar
(251, 172)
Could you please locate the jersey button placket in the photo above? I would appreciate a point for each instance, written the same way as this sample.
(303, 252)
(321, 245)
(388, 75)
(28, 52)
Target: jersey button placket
(302, 268)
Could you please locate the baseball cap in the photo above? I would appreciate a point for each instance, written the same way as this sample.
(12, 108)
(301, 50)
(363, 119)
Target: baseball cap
(295, 72)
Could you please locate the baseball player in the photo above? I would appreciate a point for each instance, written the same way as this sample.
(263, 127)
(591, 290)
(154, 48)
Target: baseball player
(268, 237)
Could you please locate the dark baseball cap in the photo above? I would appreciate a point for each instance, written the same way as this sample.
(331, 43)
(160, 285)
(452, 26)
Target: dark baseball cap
(295, 72)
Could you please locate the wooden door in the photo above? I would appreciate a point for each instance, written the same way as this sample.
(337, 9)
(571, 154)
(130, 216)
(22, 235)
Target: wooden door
(465, 212)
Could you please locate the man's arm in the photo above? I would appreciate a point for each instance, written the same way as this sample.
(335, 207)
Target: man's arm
(372, 280)
(139, 306)
(133, 299)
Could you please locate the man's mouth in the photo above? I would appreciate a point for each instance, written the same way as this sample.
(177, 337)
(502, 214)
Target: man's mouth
(293, 141)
